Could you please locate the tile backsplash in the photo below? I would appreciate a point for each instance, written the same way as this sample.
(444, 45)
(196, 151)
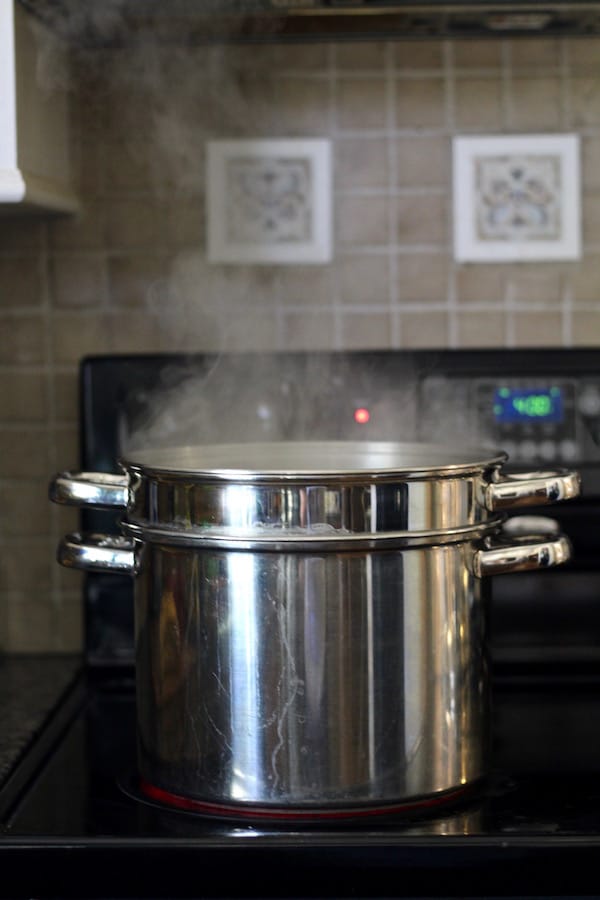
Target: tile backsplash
(129, 273)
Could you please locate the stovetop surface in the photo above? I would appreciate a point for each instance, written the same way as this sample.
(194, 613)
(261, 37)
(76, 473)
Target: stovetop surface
(544, 776)
(531, 828)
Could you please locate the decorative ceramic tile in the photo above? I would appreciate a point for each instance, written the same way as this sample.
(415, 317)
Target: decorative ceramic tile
(517, 198)
(269, 201)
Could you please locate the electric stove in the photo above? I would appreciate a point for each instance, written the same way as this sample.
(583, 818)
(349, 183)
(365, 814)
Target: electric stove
(73, 822)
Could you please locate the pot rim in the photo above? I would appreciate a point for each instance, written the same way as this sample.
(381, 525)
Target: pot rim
(277, 540)
(313, 461)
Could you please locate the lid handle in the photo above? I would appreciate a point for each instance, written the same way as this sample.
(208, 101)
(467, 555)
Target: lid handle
(531, 489)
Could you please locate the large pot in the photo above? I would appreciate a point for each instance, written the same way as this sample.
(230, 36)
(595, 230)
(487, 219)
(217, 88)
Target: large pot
(310, 618)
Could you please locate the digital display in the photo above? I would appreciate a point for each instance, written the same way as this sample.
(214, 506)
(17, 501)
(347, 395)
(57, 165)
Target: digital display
(528, 405)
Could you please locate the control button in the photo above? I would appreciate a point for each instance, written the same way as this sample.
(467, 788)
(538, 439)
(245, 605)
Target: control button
(568, 449)
(528, 449)
(589, 401)
(548, 450)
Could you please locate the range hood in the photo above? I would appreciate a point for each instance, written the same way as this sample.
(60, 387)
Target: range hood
(201, 21)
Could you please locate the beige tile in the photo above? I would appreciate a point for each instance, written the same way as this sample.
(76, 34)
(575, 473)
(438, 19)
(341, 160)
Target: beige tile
(81, 231)
(583, 53)
(585, 280)
(78, 334)
(24, 508)
(182, 222)
(422, 161)
(480, 329)
(65, 448)
(255, 332)
(361, 103)
(422, 330)
(306, 285)
(182, 326)
(365, 331)
(591, 216)
(21, 235)
(131, 109)
(422, 219)
(303, 107)
(224, 111)
(88, 164)
(542, 329)
(23, 454)
(70, 638)
(539, 285)
(21, 339)
(535, 103)
(128, 167)
(32, 623)
(130, 332)
(361, 162)
(4, 604)
(585, 101)
(477, 54)
(66, 395)
(585, 328)
(131, 223)
(313, 330)
(414, 55)
(91, 95)
(363, 220)
(132, 276)
(481, 284)
(23, 397)
(25, 566)
(285, 56)
(422, 278)
(20, 282)
(534, 53)
(79, 281)
(420, 103)
(478, 103)
(361, 55)
(363, 279)
(590, 161)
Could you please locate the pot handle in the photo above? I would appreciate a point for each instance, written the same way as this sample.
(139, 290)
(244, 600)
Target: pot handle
(98, 553)
(90, 489)
(515, 550)
(531, 489)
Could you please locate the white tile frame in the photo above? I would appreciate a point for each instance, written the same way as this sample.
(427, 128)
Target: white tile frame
(467, 246)
(222, 250)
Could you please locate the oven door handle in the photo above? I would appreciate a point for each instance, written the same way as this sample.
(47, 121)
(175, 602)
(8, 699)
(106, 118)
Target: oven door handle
(99, 553)
(531, 489)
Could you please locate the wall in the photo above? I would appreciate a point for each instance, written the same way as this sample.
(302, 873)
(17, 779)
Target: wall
(129, 273)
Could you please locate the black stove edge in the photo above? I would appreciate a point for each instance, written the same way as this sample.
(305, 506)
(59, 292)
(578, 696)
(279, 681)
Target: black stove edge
(446, 867)
(42, 745)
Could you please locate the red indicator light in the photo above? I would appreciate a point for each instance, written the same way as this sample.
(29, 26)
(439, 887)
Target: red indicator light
(361, 415)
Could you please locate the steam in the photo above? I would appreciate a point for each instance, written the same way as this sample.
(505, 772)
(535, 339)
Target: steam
(161, 101)
(255, 397)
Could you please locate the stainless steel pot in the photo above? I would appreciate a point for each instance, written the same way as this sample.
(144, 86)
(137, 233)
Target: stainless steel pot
(310, 618)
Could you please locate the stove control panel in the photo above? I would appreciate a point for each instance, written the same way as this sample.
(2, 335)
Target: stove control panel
(533, 418)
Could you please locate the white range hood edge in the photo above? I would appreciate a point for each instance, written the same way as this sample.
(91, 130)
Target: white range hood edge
(34, 194)
(35, 172)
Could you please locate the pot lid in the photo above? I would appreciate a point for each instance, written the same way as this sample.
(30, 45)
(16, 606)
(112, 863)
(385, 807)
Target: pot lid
(300, 460)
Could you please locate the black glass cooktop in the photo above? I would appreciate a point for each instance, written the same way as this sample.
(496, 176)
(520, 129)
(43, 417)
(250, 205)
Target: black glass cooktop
(526, 830)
